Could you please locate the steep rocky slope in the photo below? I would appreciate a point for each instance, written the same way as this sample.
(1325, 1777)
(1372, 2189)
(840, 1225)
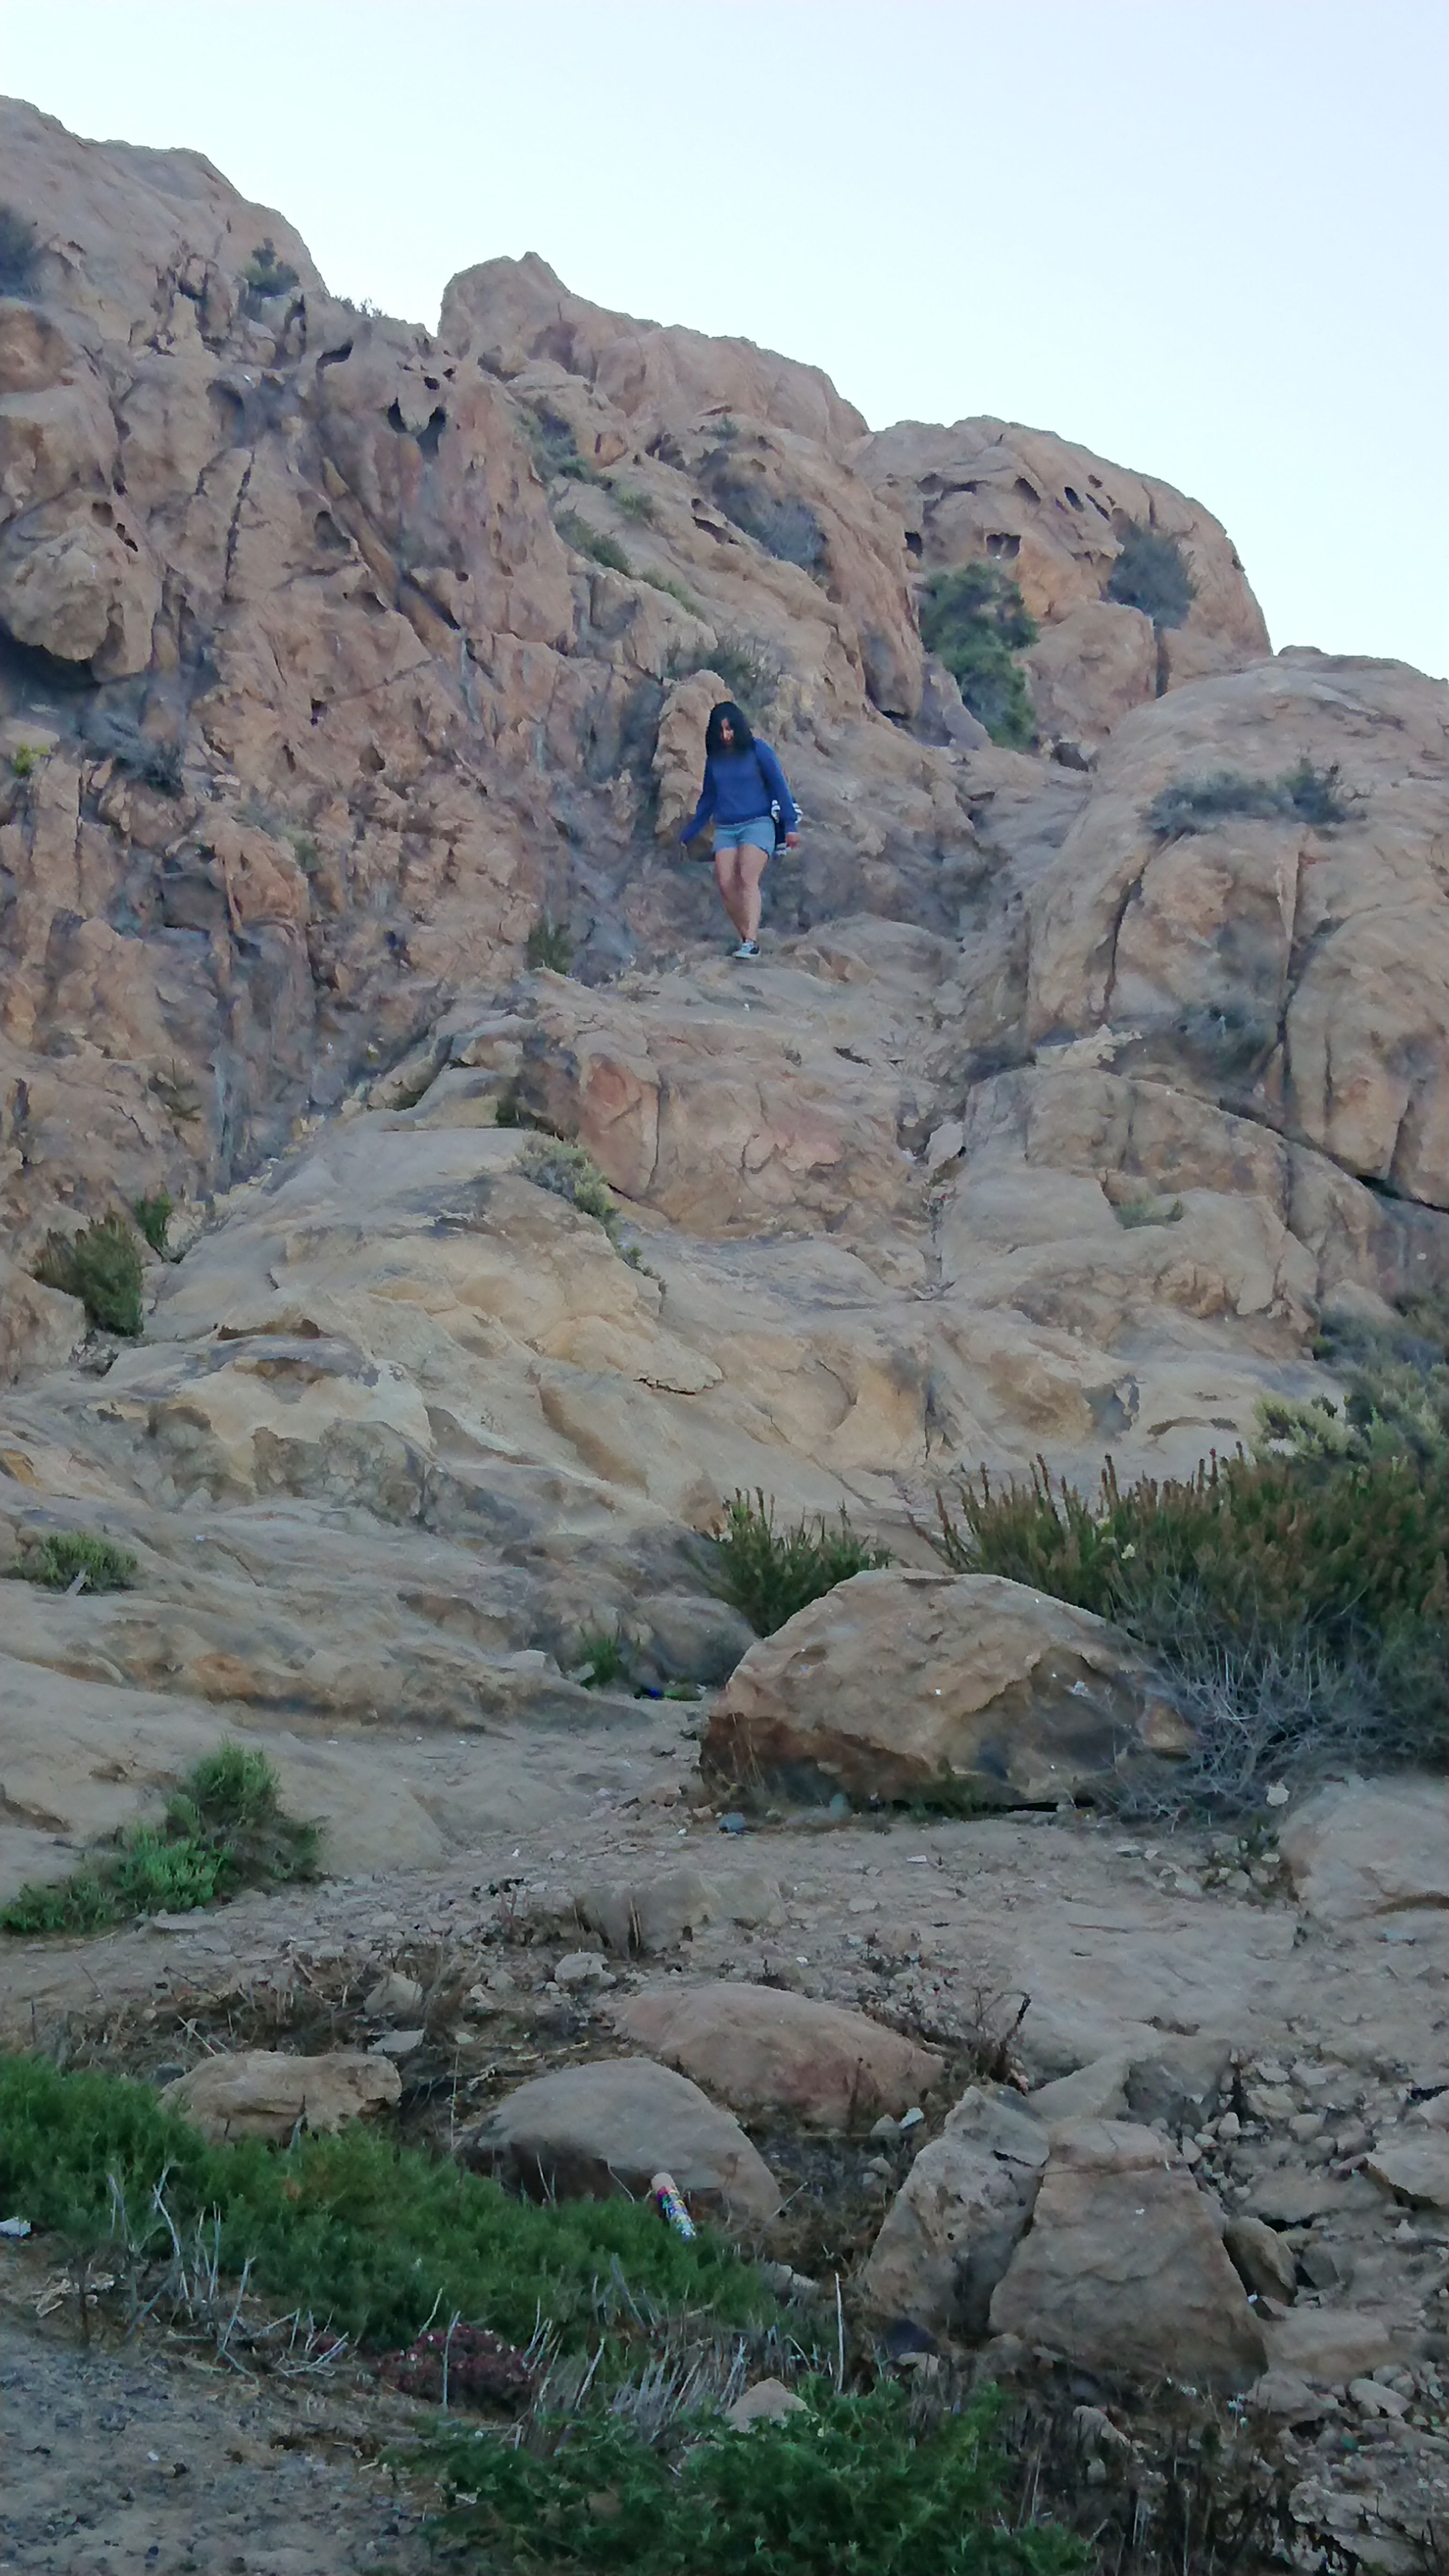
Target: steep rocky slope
(1043, 1127)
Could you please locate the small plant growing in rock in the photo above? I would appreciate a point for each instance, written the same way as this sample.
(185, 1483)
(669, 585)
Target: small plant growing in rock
(770, 1573)
(153, 1214)
(1134, 1212)
(19, 253)
(665, 581)
(633, 504)
(975, 620)
(571, 1174)
(1151, 574)
(1303, 795)
(603, 550)
(548, 945)
(266, 274)
(751, 672)
(603, 1657)
(102, 1266)
(156, 764)
(224, 1829)
(83, 1560)
(786, 527)
(26, 759)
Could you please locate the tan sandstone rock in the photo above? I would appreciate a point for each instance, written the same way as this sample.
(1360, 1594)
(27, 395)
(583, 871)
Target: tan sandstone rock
(762, 2049)
(263, 2093)
(900, 1684)
(1122, 2269)
(1366, 1847)
(952, 2227)
(588, 2131)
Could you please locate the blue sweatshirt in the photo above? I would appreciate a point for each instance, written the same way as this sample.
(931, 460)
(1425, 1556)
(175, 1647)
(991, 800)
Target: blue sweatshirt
(740, 787)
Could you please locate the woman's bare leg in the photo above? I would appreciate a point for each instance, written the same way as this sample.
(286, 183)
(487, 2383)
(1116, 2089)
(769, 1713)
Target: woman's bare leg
(731, 887)
(752, 865)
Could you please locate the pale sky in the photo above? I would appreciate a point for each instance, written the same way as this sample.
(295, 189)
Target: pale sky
(1204, 237)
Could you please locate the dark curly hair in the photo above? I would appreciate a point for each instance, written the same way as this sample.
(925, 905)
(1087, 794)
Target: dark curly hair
(739, 725)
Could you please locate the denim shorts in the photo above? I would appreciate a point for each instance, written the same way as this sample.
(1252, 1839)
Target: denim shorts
(758, 833)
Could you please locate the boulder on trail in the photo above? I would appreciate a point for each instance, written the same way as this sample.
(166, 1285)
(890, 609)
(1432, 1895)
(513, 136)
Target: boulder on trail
(1362, 1847)
(264, 2093)
(586, 2132)
(965, 1688)
(1123, 2269)
(764, 2049)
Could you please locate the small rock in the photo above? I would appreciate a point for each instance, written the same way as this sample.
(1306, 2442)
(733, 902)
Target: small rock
(885, 2127)
(1284, 2394)
(1260, 2258)
(734, 1823)
(395, 1998)
(611, 2125)
(1371, 2397)
(582, 1968)
(1418, 2170)
(398, 2043)
(263, 2093)
(762, 2049)
(1328, 2345)
(769, 2401)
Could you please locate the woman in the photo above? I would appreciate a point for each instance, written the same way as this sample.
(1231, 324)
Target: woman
(743, 781)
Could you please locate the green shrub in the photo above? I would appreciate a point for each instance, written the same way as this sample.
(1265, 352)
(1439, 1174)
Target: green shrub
(786, 527)
(303, 846)
(26, 759)
(850, 2486)
(571, 1174)
(353, 2229)
(1302, 1602)
(666, 581)
(548, 944)
(586, 541)
(57, 1559)
(224, 1829)
(1303, 795)
(555, 449)
(156, 764)
(751, 672)
(153, 1214)
(603, 1657)
(1134, 1212)
(265, 274)
(19, 253)
(1151, 573)
(975, 621)
(633, 504)
(102, 1266)
(769, 1573)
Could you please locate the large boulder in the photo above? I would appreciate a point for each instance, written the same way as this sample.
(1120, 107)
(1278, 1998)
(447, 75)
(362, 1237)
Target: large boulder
(955, 2222)
(263, 2093)
(964, 1688)
(1365, 1847)
(1123, 2270)
(766, 2050)
(590, 2131)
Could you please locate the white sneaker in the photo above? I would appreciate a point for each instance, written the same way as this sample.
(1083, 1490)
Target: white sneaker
(746, 948)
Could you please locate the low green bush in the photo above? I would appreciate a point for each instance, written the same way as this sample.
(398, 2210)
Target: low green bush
(633, 504)
(153, 1214)
(19, 253)
(571, 1174)
(770, 1573)
(26, 759)
(676, 590)
(604, 550)
(1301, 795)
(1151, 573)
(785, 526)
(57, 1559)
(224, 1829)
(1135, 1212)
(850, 2486)
(267, 274)
(602, 1657)
(353, 2229)
(102, 1266)
(975, 621)
(548, 944)
(156, 764)
(751, 672)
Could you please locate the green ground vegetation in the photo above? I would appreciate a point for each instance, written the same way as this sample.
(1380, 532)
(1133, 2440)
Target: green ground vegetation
(224, 1829)
(975, 621)
(1151, 573)
(58, 1559)
(102, 1266)
(1301, 795)
(769, 1573)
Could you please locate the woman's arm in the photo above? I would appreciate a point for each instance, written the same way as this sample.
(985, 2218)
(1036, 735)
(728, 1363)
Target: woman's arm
(706, 805)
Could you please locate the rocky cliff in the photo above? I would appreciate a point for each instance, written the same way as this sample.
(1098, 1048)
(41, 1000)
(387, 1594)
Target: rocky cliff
(333, 658)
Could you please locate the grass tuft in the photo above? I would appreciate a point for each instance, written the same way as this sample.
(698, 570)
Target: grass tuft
(571, 1174)
(224, 1829)
(153, 1214)
(1301, 795)
(80, 1558)
(102, 1266)
(770, 1573)
(604, 550)
(548, 944)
